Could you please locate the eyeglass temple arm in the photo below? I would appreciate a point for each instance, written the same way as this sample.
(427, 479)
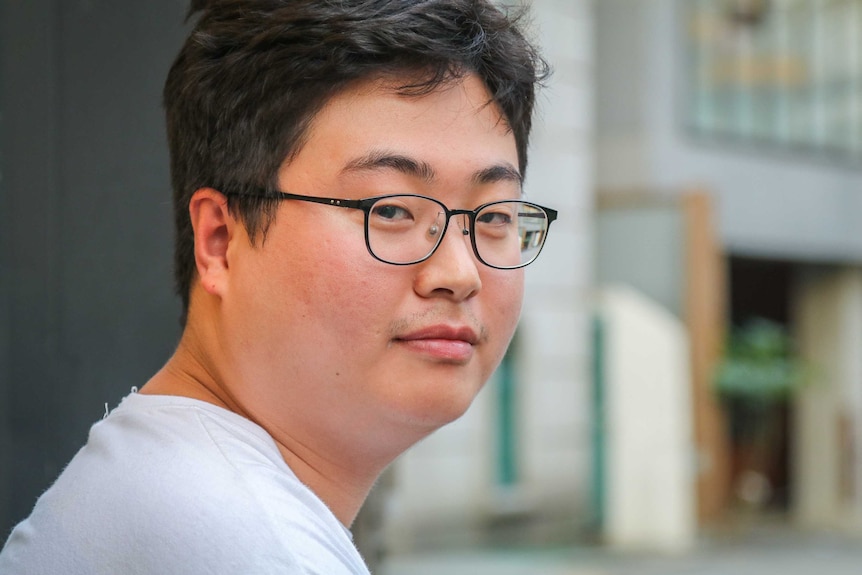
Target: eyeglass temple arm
(277, 195)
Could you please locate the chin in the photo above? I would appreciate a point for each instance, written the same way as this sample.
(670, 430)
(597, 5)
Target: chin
(440, 406)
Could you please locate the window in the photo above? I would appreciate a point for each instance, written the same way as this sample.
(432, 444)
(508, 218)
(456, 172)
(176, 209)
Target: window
(782, 72)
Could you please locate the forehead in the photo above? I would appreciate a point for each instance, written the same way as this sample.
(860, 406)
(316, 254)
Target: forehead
(455, 126)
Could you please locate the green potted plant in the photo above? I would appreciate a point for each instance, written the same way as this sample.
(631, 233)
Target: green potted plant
(759, 364)
(759, 373)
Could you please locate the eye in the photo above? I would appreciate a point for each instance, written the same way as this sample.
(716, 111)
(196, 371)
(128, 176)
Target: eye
(495, 217)
(391, 212)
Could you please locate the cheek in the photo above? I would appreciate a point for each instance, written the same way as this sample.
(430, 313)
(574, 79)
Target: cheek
(506, 294)
(342, 292)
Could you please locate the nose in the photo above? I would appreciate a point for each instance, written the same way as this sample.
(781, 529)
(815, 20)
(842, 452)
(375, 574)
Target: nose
(452, 271)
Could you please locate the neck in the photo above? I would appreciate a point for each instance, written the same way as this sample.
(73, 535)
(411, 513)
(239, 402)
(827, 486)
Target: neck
(336, 474)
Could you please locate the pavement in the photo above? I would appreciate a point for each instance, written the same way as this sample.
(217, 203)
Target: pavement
(766, 551)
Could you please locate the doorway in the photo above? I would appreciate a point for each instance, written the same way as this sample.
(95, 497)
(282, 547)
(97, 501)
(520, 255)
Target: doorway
(760, 294)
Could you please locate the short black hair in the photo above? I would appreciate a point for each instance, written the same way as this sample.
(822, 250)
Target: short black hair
(252, 74)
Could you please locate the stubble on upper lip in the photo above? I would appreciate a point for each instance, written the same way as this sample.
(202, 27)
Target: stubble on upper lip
(418, 328)
(442, 342)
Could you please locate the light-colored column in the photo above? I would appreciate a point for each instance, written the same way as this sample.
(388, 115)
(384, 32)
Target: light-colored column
(827, 427)
(553, 350)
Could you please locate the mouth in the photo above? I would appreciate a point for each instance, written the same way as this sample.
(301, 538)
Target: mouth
(452, 344)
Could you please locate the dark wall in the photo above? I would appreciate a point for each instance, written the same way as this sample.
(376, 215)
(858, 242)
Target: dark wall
(86, 303)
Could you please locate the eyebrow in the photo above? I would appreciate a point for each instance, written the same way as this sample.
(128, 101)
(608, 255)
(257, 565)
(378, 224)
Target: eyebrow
(499, 173)
(383, 160)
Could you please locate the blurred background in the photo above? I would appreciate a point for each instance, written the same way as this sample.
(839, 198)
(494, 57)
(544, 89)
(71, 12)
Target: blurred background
(686, 381)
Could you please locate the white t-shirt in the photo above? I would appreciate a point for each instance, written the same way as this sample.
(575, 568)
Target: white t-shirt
(175, 485)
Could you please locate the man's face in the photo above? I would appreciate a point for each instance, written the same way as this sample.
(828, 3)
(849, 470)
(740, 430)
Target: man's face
(323, 340)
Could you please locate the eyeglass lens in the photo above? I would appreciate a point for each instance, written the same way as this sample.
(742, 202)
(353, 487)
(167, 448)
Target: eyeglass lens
(407, 229)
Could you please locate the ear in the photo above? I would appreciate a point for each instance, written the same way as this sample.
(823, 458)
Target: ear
(213, 230)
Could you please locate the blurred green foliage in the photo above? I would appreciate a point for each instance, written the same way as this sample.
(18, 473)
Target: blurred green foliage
(759, 364)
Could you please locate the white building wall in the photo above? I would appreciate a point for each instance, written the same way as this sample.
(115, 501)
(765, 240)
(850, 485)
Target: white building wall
(555, 323)
(446, 484)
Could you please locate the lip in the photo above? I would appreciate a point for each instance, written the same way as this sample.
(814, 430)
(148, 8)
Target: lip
(442, 342)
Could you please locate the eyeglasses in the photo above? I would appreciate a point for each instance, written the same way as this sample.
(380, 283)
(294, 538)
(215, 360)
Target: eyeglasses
(405, 229)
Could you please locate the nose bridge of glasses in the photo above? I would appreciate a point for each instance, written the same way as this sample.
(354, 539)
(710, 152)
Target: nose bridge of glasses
(463, 222)
(462, 234)
(444, 215)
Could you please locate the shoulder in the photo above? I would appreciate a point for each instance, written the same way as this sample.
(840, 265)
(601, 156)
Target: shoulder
(170, 486)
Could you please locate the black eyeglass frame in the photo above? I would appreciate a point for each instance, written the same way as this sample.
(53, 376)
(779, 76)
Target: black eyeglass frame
(365, 204)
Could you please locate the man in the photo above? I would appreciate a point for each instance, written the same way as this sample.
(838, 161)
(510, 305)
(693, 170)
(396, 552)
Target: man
(350, 241)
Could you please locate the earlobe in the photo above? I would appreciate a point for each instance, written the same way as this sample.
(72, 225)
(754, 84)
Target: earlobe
(213, 229)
